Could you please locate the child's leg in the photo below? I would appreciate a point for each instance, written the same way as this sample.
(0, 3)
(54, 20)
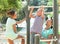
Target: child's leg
(23, 40)
(10, 41)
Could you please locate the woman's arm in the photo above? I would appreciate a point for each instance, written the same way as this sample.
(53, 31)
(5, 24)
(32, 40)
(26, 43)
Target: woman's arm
(18, 22)
(50, 37)
(30, 14)
(14, 28)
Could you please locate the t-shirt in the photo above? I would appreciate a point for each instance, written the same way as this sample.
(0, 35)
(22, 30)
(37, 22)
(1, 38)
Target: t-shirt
(38, 25)
(10, 34)
(45, 33)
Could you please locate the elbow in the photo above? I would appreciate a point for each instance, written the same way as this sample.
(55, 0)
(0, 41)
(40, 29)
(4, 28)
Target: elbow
(43, 17)
(29, 16)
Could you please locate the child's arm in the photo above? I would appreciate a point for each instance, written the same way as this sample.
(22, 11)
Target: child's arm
(30, 14)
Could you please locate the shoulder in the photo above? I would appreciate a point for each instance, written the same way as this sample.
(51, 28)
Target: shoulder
(9, 20)
(51, 31)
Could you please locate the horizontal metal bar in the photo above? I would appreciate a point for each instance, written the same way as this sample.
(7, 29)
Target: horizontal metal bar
(45, 13)
(38, 6)
(55, 39)
(49, 40)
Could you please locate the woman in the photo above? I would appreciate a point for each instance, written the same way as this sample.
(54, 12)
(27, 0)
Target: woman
(11, 27)
(47, 33)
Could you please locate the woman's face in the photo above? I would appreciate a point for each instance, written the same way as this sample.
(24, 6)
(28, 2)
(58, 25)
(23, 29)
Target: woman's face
(15, 16)
(49, 23)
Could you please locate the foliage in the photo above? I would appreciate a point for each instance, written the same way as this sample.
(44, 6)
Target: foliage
(9, 4)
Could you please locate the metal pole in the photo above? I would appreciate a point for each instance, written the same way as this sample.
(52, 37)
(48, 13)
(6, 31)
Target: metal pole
(28, 23)
(37, 39)
(55, 20)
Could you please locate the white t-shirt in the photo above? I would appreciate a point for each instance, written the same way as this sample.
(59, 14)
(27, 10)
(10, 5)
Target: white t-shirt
(10, 34)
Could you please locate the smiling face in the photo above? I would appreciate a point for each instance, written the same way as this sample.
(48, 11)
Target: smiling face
(49, 23)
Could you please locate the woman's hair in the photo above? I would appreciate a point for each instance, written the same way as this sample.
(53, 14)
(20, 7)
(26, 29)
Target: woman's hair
(11, 12)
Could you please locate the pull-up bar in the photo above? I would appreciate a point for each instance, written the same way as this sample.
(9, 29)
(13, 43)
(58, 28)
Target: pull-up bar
(37, 39)
(38, 6)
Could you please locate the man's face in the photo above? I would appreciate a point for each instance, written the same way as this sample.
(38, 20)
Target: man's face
(39, 13)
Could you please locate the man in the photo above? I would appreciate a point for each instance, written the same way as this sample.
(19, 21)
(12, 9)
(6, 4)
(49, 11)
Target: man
(38, 23)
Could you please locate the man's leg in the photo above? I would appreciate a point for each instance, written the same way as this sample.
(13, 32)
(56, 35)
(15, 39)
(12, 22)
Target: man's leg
(32, 38)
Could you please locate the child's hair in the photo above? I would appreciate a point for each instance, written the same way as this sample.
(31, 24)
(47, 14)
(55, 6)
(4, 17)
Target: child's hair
(11, 12)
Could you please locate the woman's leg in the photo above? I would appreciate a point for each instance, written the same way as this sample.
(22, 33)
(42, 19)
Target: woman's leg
(10, 41)
(23, 40)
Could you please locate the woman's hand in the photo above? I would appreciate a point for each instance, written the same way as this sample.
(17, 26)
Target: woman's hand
(18, 22)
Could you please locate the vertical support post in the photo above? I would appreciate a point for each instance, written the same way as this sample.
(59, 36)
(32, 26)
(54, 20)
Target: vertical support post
(55, 20)
(37, 39)
(28, 23)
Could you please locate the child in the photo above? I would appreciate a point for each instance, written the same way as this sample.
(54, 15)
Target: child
(38, 23)
(11, 27)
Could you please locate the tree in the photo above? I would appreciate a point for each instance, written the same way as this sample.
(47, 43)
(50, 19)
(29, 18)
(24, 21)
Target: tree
(9, 4)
